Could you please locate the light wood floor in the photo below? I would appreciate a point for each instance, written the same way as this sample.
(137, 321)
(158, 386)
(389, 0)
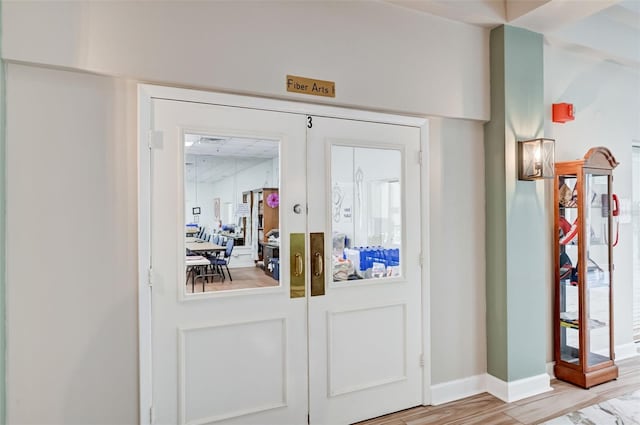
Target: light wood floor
(484, 409)
(243, 278)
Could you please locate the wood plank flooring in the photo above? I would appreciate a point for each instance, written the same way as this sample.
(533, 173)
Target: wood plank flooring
(243, 278)
(485, 409)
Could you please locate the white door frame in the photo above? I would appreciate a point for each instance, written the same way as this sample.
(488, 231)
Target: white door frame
(146, 93)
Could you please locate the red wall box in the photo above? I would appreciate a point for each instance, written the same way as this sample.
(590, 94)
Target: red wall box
(562, 112)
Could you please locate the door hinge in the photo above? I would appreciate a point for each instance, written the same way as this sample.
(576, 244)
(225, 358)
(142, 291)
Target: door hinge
(151, 418)
(421, 360)
(420, 157)
(154, 138)
(420, 259)
(149, 277)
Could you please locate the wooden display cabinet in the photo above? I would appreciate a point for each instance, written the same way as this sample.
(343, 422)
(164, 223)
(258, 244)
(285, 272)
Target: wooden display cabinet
(269, 214)
(583, 313)
(262, 220)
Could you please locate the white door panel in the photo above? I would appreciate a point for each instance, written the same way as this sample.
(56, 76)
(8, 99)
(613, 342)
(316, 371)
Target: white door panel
(235, 356)
(364, 334)
(258, 356)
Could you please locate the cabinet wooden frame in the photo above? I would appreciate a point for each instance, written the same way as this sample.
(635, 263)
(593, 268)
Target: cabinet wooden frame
(268, 218)
(598, 162)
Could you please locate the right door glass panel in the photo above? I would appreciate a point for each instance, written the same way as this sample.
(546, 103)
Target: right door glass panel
(366, 213)
(568, 244)
(597, 206)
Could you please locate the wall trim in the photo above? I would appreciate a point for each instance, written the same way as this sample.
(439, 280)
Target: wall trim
(626, 351)
(478, 384)
(509, 391)
(550, 372)
(517, 390)
(458, 389)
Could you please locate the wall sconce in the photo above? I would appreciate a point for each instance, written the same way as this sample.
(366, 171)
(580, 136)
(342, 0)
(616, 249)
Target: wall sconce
(536, 159)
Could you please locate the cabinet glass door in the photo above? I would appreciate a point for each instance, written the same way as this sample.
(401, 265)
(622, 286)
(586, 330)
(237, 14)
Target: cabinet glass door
(598, 282)
(569, 289)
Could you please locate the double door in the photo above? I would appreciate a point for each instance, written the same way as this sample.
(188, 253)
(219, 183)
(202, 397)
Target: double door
(335, 335)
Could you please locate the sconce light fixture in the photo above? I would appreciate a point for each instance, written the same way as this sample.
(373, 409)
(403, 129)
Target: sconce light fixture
(536, 159)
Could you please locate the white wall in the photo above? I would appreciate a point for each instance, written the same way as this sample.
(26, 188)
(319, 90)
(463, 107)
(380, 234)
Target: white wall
(381, 56)
(72, 133)
(457, 245)
(71, 248)
(606, 99)
(229, 190)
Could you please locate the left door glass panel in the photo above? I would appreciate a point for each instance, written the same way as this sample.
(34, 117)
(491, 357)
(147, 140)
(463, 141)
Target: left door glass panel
(231, 199)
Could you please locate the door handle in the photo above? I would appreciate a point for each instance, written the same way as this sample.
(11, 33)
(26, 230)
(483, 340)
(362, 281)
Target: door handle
(297, 284)
(299, 269)
(316, 242)
(319, 263)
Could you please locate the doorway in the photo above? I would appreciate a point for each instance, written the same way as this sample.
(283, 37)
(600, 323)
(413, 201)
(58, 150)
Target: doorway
(338, 335)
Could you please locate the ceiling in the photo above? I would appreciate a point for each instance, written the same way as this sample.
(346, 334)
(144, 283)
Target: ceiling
(607, 28)
(209, 159)
(225, 146)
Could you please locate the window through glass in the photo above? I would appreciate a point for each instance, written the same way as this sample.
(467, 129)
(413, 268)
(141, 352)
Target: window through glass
(366, 213)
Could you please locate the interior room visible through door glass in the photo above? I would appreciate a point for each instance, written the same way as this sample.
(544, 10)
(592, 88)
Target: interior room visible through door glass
(231, 202)
(366, 213)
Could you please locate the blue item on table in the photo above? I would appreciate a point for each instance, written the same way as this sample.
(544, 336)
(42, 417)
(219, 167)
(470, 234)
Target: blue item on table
(275, 271)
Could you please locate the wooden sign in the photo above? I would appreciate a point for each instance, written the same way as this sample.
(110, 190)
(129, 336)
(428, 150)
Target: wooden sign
(310, 86)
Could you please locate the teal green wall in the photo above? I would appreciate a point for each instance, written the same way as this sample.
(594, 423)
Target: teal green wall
(516, 223)
(496, 237)
(527, 228)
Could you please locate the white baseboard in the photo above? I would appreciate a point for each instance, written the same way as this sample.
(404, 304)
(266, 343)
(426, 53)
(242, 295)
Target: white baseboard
(509, 391)
(506, 391)
(458, 389)
(626, 351)
(517, 390)
(550, 372)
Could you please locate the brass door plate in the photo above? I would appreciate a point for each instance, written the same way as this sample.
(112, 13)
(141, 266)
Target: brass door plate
(317, 264)
(296, 265)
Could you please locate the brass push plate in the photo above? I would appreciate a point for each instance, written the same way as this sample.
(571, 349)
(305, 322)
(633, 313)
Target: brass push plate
(317, 263)
(296, 265)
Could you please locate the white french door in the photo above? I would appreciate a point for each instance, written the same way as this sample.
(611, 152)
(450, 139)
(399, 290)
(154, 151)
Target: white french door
(343, 346)
(364, 320)
(235, 356)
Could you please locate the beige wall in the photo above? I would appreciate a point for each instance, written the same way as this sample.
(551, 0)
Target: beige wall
(71, 248)
(73, 197)
(72, 155)
(381, 56)
(457, 250)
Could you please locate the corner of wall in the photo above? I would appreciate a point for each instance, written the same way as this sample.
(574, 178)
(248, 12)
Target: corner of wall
(2, 231)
